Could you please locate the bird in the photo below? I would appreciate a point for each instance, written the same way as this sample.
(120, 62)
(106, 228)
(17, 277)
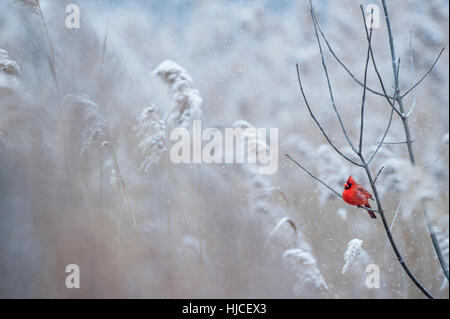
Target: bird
(355, 194)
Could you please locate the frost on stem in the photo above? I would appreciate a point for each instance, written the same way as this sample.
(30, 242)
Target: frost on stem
(151, 132)
(88, 126)
(354, 249)
(305, 266)
(187, 99)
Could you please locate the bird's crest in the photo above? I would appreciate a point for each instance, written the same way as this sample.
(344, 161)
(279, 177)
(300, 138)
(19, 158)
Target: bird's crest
(350, 180)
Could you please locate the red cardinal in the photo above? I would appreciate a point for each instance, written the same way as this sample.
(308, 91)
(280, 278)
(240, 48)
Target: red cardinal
(355, 194)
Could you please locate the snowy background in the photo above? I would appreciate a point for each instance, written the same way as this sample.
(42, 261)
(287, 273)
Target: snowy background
(79, 158)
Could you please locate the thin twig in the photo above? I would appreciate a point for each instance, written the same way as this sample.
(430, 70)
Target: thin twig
(389, 123)
(429, 164)
(316, 178)
(363, 98)
(330, 90)
(378, 174)
(383, 137)
(394, 143)
(425, 75)
(325, 184)
(369, 36)
(318, 124)
(380, 79)
(396, 212)
(333, 53)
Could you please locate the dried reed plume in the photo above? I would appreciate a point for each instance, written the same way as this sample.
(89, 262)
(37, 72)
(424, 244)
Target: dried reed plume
(151, 132)
(187, 99)
(89, 125)
(91, 130)
(353, 251)
(307, 271)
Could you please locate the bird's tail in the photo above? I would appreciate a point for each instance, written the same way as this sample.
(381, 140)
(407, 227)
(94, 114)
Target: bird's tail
(372, 214)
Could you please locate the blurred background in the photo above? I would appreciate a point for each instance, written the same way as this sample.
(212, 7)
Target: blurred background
(84, 148)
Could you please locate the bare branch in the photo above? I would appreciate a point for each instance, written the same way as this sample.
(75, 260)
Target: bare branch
(382, 138)
(378, 174)
(389, 234)
(363, 163)
(395, 143)
(396, 213)
(368, 36)
(391, 42)
(363, 99)
(388, 126)
(412, 158)
(425, 75)
(410, 150)
(380, 79)
(316, 178)
(342, 63)
(330, 90)
(429, 164)
(325, 184)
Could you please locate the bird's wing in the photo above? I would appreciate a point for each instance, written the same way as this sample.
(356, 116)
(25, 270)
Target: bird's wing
(364, 191)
